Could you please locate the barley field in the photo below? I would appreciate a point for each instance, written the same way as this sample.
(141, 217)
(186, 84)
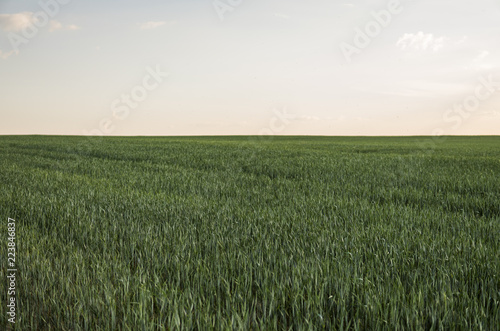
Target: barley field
(252, 233)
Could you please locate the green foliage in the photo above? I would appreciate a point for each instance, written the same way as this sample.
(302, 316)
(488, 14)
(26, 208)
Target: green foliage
(142, 233)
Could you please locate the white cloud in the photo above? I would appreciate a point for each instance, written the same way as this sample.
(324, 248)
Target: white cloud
(421, 42)
(461, 41)
(491, 113)
(152, 25)
(16, 22)
(73, 27)
(481, 56)
(5, 55)
(425, 88)
(55, 25)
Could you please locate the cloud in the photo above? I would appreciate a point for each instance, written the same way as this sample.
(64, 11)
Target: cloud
(421, 42)
(481, 56)
(5, 55)
(417, 88)
(461, 41)
(152, 25)
(55, 25)
(16, 22)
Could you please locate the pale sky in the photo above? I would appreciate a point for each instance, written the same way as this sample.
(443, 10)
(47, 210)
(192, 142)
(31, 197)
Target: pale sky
(248, 67)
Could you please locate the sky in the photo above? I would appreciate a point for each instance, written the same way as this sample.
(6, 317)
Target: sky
(241, 67)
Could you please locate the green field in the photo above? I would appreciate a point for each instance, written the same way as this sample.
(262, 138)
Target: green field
(143, 233)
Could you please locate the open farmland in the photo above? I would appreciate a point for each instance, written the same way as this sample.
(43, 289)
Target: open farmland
(204, 233)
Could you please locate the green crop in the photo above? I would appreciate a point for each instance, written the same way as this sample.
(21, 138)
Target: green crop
(144, 233)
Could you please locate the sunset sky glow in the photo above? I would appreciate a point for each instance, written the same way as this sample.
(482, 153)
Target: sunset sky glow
(205, 67)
